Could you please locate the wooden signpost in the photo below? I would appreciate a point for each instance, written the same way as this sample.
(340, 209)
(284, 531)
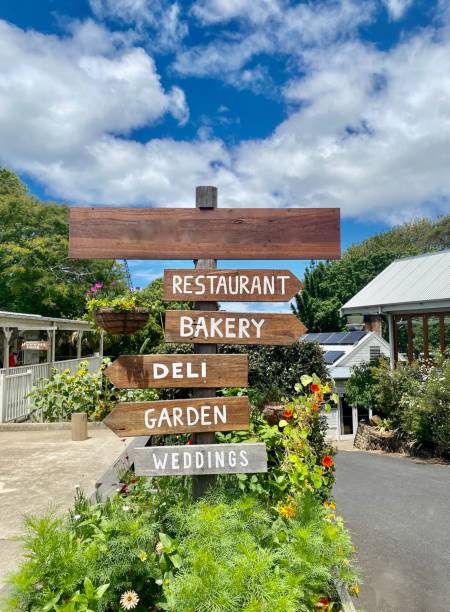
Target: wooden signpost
(204, 234)
(203, 459)
(166, 371)
(230, 285)
(179, 416)
(232, 328)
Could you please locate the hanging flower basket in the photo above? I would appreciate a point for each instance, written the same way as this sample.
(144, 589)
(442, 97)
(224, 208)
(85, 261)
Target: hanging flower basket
(122, 322)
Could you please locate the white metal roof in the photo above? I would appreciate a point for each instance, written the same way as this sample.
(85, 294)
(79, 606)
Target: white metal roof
(25, 321)
(412, 284)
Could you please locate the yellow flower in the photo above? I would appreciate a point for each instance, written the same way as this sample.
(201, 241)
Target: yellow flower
(330, 504)
(287, 511)
(326, 388)
(142, 555)
(356, 589)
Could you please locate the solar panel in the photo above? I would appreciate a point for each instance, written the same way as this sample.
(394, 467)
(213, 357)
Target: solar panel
(353, 337)
(323, 337)
(310, 337)
(332, 356)
(335, 338)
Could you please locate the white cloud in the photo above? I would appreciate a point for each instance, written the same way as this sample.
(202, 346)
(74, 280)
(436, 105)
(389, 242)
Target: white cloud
(266, 26)
(160, 20)
(397, 8)
(219, 11)
(367, 131)
(60, 95)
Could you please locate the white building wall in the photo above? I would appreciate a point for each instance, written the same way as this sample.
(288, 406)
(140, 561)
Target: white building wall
(361, 353)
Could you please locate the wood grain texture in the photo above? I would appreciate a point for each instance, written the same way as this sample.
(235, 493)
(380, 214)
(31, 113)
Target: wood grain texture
(230, 285)
(200, 459)
(217, 233)
(146, 371)
(179, 416)
(231, 328)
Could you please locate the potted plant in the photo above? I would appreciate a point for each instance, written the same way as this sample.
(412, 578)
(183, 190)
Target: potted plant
(118, 315)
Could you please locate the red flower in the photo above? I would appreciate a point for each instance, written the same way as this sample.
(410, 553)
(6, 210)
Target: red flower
(323, 603)
(327, 461)
(288, 414)
(190, 441)
(134, 481)
(315, 388)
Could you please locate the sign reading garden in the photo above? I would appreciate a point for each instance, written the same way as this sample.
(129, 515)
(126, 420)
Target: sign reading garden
(204, 234)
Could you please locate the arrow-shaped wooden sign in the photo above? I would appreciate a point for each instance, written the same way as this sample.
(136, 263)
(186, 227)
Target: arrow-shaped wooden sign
(201, 459)
(230, 285)
(179, 416)
(221, 327)
(216, 233)
(166, 371)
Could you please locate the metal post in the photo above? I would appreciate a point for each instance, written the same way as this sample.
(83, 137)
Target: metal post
(100, 350)
(7, 332)
(79, 340)
(391, 341)
(205, 197)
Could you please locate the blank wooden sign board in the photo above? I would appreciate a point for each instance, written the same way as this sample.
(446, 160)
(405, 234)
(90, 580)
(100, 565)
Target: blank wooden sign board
(167, 371)
(179, 416)
(230, 285)
(200, 459)
(221, 327)
(209, 233)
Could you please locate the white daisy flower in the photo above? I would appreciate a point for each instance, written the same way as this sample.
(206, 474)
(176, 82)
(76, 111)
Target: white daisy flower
(129, 600)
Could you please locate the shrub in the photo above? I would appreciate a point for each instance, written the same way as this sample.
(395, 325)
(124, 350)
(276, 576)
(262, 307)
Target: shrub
(63, 393)
(425, 409)
(238, 557)
(295, 446)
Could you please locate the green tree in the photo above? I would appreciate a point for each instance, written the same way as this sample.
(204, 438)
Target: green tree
(329, 285)
(36, 274)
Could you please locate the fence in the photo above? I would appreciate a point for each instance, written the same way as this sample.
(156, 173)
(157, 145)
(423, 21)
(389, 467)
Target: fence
(16, 383)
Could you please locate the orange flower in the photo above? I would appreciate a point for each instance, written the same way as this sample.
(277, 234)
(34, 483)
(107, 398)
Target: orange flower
(315, 388)
(323, 604)
(287, 511)
(327, 461)
(288, 414)
(315, 407)
(319, 397)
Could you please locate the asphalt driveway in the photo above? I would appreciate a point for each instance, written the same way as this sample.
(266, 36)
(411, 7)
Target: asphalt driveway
(398, 511)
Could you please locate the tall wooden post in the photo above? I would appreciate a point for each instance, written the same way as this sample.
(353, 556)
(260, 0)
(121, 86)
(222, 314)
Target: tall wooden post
(205, 197)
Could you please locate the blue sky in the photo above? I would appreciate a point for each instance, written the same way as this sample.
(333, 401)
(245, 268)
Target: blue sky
(279, 103)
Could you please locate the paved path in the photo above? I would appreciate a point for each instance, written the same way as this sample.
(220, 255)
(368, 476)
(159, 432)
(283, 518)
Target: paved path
(39, 470)
(398, 511)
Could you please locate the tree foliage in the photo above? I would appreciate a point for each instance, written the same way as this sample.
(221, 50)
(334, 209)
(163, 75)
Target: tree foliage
(36, 274)
(329, 285)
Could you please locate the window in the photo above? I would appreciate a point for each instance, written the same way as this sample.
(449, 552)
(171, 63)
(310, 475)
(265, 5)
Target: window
(375, 352)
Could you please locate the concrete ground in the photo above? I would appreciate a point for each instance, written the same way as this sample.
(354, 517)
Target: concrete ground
(39, 470)
(398, 511)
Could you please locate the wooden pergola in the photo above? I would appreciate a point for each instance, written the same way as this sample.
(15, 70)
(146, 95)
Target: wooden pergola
(413, 294)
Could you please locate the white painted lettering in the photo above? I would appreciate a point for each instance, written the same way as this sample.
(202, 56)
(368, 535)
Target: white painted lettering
(243, 458)
(232, 458)
(176, 284)
(160, 371)
(177, 369)
(258, 325)
(192, 420)
(186, 326)
(149, 423)
(159, 462)
(205, 414)
(220, 415)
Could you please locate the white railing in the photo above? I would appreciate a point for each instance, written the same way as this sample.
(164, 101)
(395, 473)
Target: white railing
(16, 383)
